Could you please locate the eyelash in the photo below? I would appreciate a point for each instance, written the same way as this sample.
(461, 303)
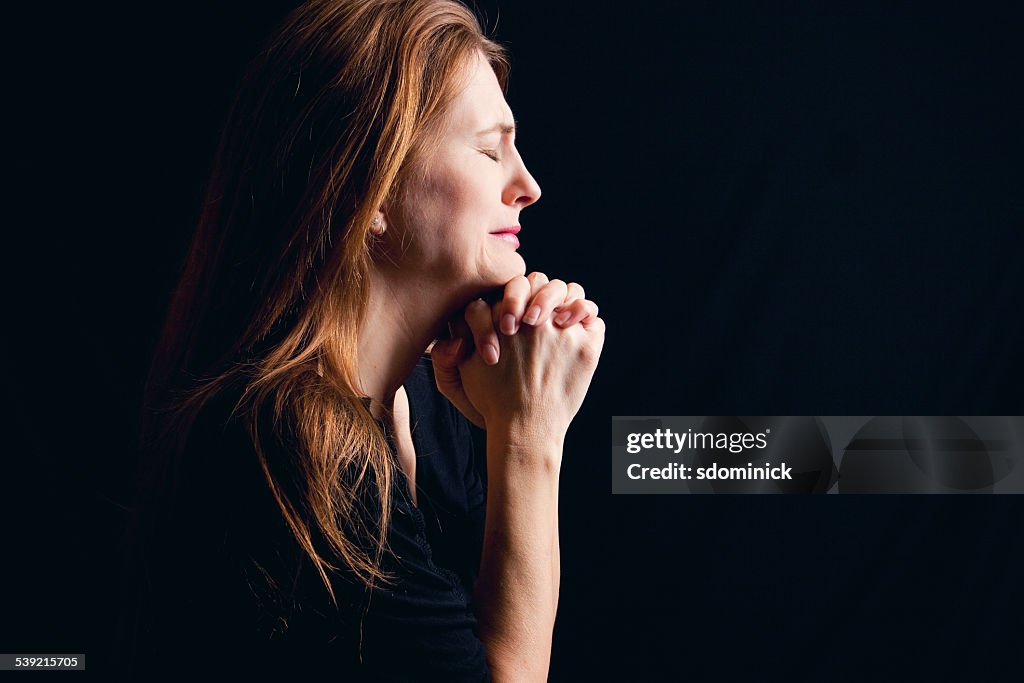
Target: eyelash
(490, 154)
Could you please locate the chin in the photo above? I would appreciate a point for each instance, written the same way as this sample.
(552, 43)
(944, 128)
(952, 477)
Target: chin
(520, 268)
(512, 266)
(488, 283)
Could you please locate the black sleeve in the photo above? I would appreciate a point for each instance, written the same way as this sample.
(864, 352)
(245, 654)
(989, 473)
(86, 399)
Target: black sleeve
(421, 625)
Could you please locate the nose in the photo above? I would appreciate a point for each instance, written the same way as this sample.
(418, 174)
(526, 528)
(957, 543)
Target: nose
(522, 190)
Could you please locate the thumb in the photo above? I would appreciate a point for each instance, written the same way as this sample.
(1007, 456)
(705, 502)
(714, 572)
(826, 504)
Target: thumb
(447, 355)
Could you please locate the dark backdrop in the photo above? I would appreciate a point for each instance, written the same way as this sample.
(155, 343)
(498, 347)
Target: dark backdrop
(781, 209)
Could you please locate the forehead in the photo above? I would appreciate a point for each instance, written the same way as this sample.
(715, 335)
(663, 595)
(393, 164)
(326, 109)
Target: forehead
(480, 104)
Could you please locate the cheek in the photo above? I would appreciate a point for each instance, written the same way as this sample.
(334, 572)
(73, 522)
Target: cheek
(446, 224)
(455, 212)
(441, 235)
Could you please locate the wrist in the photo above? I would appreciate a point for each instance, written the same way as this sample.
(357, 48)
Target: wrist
(525, 433)
(524, 446)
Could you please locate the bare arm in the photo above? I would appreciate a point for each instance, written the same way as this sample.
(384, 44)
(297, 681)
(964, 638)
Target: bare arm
(524, 388)
(517, 591)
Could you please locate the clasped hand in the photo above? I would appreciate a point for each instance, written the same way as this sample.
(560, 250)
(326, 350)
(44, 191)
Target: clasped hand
(525, 361)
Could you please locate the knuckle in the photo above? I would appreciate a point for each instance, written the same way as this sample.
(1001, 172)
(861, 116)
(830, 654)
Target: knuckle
(594, 327)
(513, 302)
(478, 319)
(517, 284)
(554, 291)
(588, 354)
(476, 326)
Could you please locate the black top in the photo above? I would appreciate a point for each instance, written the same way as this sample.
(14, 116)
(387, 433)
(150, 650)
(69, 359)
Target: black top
(212, 609)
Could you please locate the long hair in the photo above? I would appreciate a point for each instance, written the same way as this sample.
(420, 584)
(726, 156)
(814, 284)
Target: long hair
(330, 121)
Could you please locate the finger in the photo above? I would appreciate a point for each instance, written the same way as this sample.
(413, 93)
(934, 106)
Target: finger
(575, 312)
(537, 280)
(449, 379)
(513, 304)
(443, 356)
(590, 350)
(478, 317)
(457, 327)
(593, 324)
(550, 295)
(447, 353)
(575, 293)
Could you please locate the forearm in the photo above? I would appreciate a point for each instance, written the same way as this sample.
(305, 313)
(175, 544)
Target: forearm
(517, 590)
(556, 560)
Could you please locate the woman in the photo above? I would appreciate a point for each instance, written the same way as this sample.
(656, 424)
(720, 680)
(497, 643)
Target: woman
(310, 500)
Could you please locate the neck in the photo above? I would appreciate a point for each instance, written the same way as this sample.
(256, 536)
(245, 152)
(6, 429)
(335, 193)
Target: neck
(401, 320)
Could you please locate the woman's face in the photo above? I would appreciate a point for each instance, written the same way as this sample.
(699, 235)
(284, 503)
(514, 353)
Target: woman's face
(456, 223)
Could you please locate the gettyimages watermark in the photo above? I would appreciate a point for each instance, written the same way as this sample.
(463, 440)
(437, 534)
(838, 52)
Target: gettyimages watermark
(836, 454)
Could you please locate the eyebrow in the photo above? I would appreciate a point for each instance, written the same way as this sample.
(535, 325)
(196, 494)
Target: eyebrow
(504, 128)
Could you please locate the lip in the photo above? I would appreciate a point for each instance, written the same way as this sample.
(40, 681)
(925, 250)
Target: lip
(513, 230)
(508, 235)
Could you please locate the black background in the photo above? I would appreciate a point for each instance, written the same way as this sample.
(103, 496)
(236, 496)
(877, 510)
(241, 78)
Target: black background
(780, 208)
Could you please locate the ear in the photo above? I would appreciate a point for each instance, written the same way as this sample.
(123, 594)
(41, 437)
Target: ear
(379, 223)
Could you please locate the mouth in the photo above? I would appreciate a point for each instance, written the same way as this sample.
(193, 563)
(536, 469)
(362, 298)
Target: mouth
(508, 235)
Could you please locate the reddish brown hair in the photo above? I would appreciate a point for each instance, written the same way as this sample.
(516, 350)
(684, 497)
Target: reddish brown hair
(330, 120)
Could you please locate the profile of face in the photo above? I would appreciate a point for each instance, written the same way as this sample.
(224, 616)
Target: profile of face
(455, 228)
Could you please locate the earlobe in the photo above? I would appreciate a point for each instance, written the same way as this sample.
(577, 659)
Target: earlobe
(378, 225)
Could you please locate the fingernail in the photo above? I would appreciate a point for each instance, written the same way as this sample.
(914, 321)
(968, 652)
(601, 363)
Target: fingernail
(508, 323)
(531, 316)
(457, 348)
(563, 317)
(490, 354)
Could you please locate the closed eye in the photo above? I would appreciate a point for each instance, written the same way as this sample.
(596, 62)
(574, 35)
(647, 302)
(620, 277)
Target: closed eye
(491, 154)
